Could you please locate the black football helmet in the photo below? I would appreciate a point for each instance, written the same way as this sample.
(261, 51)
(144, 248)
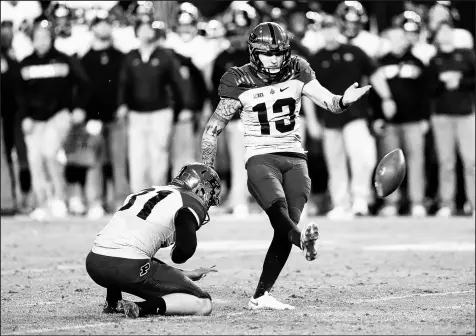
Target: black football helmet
(269, 38)
(202, 180)
(353, 17)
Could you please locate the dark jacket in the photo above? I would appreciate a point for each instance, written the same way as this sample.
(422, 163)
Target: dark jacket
(195, 91)
(103, 68)
(460, 101)
(336, 70)
(51, 83)
(143, 85)
(236, 55)
(9, 79)
(408, 80)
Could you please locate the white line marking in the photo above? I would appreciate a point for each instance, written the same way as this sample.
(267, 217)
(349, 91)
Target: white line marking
(40, 303)
(389, 298)
(105, 324)
(73, 327)
(259, 245)
(435, 246)
(42, 270)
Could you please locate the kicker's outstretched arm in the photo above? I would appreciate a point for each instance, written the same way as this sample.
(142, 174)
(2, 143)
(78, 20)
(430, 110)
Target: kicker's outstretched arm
(225, 110)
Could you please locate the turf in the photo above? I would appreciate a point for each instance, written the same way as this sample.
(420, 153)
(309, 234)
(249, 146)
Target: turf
(373, 276)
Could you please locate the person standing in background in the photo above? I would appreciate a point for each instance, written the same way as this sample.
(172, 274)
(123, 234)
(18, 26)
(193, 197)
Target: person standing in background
(12, 133)
(339, 65)
(407, 78)
(241, 18)
(103, 64)
(52, 84)
(453, 70)
(145, 75)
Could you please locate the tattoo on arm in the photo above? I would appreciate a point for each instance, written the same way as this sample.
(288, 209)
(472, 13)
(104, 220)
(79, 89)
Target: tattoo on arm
(334, 105)
(225, 110)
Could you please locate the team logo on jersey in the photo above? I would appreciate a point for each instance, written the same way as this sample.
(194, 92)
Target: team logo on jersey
(272, 91)
(458, 57)
(104, 59)
(325, 64)
(155, 62)
(185, 72)
(348, 57)
(258, 95)
(4, 66)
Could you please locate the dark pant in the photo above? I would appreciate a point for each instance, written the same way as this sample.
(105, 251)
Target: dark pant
(148, 279)
(272, 177)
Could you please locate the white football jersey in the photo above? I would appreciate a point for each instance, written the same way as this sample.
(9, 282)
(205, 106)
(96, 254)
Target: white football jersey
(146, 223)
(270, 112)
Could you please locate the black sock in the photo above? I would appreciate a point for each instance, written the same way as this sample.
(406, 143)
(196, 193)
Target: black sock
(274, 262)
(152, 307)
(282, 223)
(113, 296)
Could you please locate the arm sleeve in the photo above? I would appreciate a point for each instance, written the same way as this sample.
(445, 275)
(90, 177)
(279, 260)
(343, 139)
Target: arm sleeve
(425, 96)
(199, 84)
(83, 88)
(217, 74)
(467, 83)
(434, 86)
(176, 84)
(229, 87)
(20, 92)
(185, 236)
(303, 69)
(123, 82)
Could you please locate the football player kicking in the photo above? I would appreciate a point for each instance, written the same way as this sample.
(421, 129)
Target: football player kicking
(122, 256)
(267, 95)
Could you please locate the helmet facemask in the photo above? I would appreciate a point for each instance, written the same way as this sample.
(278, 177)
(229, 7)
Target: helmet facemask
(202, 181)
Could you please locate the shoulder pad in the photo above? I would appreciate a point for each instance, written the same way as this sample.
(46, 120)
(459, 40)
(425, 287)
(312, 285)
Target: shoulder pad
(190, 200)
(301, 69)
(234, 82)
(241, 76)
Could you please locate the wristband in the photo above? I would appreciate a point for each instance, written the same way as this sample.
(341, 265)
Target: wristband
(341, 103)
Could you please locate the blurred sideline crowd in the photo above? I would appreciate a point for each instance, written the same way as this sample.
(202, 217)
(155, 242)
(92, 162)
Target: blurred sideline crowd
(101, 99)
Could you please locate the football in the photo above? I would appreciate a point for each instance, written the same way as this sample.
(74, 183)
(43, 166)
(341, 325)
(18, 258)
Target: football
(389, 173)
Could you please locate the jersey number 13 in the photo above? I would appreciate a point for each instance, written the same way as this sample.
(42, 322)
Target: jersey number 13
(277, 107)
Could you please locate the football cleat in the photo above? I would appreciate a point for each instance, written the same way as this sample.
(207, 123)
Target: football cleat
(112, 309)
(267, 301)
(131, 309)
(309, 237)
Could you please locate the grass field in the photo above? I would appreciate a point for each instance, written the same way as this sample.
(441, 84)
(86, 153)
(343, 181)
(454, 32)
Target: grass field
(373, 276)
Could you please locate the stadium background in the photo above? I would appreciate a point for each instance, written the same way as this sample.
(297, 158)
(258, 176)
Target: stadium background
(380, 14)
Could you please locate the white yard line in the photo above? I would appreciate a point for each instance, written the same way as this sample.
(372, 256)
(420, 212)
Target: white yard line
(390, 298)
(105, 324)
(247, 246)
(73, 327)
